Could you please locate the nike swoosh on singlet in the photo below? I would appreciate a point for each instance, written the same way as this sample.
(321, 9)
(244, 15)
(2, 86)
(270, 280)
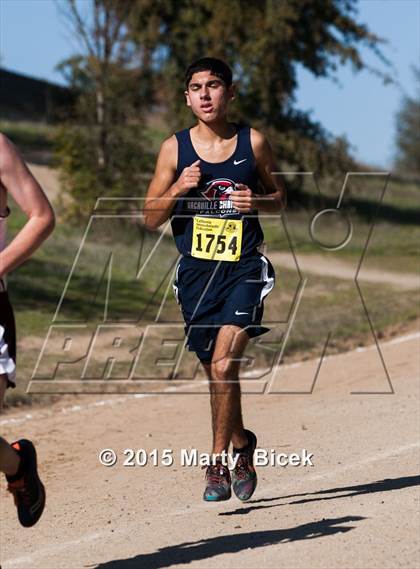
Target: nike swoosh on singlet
(236, 162)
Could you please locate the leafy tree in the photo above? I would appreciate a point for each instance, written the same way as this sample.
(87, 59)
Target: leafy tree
(265, 42)
(408, 132)
(135, 53)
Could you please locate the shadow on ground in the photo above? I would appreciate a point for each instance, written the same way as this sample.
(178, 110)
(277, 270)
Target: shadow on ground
(232, 543)
(342, 492)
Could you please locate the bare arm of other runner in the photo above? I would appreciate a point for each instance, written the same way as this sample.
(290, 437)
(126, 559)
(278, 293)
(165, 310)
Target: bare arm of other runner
(274, 199)
(27, 193)
(163, 191)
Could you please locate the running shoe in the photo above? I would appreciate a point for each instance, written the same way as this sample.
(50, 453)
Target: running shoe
(244, 477)
(217, 483)
(28, 491)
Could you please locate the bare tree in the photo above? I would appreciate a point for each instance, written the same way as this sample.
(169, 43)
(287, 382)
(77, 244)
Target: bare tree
(101, 145)
(105, 43)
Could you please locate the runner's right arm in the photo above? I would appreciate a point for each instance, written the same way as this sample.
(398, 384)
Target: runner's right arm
(18, 181)
(163, 191)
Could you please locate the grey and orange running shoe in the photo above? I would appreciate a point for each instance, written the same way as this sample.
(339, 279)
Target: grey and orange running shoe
(244, 477)
(217, 483)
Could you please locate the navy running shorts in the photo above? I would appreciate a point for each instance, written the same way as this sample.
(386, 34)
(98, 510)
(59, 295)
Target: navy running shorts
(7, 339)
(213, 294)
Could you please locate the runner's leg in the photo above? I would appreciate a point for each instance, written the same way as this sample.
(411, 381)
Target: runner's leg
(225, 392)
(9, 458)
(239, 438)
(19, 464)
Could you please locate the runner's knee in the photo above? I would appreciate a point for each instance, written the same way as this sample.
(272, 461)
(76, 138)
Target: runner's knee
(223, 370)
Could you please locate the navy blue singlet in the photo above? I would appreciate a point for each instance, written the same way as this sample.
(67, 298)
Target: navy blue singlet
(211, 197)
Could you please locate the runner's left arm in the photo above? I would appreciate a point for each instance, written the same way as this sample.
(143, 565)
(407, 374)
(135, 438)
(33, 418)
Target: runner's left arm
(18, 181)
(274, 198)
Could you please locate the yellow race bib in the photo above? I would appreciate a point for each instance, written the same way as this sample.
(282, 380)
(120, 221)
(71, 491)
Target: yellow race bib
(217, 239)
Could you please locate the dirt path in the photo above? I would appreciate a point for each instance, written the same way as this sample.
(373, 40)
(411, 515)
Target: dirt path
(358, 506)
(318, 265)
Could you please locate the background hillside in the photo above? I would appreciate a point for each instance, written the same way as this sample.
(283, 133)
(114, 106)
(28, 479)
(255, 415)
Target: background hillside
(388, 279)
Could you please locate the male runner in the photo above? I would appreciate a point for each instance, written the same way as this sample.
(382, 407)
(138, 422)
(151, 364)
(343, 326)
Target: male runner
(18, 460)
(206, 180)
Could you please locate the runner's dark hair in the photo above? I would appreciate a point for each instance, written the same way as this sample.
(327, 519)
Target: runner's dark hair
(215, 66)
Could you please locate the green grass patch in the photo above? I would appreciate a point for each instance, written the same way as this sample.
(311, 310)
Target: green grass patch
(387, 246)
(29, 134)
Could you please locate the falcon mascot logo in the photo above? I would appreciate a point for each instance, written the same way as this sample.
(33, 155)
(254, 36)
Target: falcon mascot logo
(219, 189)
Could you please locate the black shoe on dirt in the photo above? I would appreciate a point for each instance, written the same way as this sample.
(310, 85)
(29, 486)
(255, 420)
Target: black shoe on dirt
(28, 490)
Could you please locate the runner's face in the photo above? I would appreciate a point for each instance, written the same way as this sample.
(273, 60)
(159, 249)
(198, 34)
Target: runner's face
(208, 96)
